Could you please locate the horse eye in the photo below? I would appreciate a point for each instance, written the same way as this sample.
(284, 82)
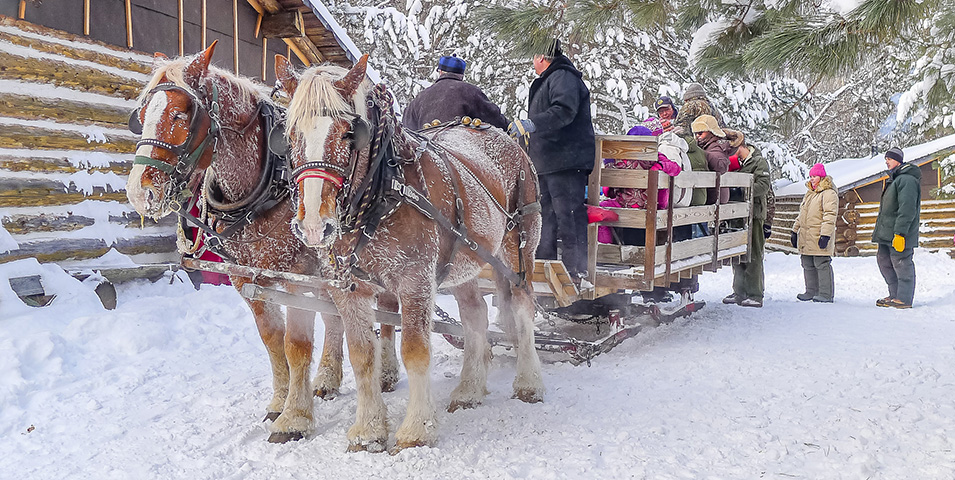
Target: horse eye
(182, 116)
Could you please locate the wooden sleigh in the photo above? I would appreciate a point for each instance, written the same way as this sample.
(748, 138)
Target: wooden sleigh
(576, 325)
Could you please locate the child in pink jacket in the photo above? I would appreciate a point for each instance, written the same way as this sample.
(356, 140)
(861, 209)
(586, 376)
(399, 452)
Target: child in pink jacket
(634, 197)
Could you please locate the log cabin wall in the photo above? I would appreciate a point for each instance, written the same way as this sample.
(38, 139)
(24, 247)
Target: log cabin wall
(65, 150)
(68, 77)
(154, 26)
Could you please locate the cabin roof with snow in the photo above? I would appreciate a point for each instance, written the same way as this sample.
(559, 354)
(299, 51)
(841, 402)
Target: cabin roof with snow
(852, 173)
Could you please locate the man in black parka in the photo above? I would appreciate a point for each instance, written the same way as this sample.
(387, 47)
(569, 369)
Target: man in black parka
(897, 229)
(450, 97)
(561, 145)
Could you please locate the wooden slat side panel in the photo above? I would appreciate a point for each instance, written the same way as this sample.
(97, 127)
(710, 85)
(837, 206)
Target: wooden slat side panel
(630, 149)
(695, 180)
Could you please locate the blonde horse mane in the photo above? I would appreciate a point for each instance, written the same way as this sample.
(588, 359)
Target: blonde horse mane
(316, 96)
(174, 71)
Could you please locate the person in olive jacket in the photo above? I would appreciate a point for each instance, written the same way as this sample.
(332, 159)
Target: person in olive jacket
(812, 234)
(561, 145)
(897, 229)
(748, 277)
(450, 97)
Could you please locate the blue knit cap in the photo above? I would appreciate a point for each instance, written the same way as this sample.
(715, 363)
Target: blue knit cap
(451, 64)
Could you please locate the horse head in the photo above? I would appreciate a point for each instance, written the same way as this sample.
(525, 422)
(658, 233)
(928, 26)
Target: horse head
(178, 127)
(328, 132)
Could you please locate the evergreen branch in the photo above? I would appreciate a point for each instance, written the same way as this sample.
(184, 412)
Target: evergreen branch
(589, 16)
(887, 19)
(818, 47)
(530, 29)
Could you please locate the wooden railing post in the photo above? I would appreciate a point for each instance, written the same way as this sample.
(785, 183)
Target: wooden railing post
(650, 243)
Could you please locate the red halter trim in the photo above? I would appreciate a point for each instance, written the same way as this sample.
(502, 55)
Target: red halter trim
(319, 173)
(325, 171)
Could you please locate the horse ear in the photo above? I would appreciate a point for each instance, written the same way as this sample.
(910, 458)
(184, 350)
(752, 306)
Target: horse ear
(197, 69)
(158, 59)
(349, 83)
(285, 75)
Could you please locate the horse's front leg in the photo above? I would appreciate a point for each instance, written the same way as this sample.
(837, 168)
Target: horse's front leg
(370, 430)
(388, 302)
(296, 418)
(270, 323)
(477, 352)
(420, 423)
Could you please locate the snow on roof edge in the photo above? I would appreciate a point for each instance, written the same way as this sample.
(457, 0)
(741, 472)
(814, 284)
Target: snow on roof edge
(848, 173)
(351, 50)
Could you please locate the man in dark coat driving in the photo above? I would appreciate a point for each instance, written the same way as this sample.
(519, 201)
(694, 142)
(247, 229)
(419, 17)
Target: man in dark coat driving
(450, 97)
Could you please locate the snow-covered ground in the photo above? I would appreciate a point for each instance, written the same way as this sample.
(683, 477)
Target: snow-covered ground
(174, 382)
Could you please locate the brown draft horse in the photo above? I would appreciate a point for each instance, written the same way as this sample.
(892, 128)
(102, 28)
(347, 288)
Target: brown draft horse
(201, 130)
(480, 177)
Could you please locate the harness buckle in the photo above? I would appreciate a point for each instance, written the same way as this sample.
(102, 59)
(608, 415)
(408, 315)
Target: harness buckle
(510, 225)
(213, 242)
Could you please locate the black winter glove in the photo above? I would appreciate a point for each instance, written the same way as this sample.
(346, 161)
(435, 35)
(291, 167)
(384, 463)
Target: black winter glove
(767, 231)
(824, 241)
(793, 238)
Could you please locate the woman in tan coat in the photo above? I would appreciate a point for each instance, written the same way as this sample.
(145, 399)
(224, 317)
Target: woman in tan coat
(812, 235)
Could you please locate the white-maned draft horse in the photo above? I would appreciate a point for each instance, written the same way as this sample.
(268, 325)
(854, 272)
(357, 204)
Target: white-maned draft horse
(397, 212)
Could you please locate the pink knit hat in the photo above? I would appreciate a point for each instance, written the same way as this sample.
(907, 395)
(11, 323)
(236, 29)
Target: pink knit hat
(817, 170)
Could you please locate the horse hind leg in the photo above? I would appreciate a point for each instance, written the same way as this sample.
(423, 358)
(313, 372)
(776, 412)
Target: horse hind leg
(389, 358)
(477, 352)
(516, 307)
(296, 418)
(370, 430)
(328, 378)
(271, 326)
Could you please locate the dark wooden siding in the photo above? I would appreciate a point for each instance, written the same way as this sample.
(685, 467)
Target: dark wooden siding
(155, 27)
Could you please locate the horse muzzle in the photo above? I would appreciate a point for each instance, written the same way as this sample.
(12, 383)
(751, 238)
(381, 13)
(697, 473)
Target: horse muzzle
(144, 196)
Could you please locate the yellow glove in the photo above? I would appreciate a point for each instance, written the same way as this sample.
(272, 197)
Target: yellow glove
(898, 243)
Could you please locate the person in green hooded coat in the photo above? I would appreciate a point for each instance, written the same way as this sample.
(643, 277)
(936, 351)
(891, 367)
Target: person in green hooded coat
(897, 229)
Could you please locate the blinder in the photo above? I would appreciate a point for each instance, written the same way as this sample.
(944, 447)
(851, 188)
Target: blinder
(278, 143)
(360, 133)
(135, 125)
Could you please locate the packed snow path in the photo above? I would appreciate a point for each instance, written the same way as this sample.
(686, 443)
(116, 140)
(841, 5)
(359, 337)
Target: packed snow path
(174, 383)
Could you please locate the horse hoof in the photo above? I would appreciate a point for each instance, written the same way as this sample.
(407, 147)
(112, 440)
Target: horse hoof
(387, 386)
(285, 437)
(271, 416)
(370, 447)
(529, 395)
(459, 404)
(326, 394)
(399, 446)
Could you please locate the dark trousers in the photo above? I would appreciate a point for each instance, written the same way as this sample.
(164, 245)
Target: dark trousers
(748, 277)
(817, 272)
(564, 216)
(898, 270)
